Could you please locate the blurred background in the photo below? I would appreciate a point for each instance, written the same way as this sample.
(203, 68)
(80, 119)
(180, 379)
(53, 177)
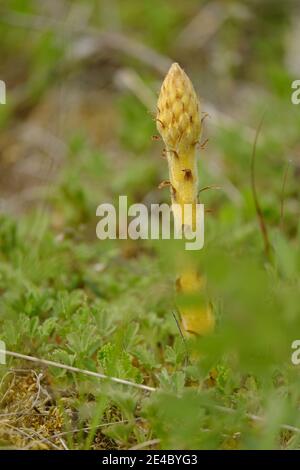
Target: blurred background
(85, 74)
(82, 80)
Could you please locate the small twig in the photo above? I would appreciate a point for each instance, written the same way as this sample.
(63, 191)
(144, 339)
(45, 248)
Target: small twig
(43, 439)
(36, 398)
(130, 80)
(258, 209)
(10, 385)
(208, 187)
(99, 39)
(204, 25)
(88, 428)
(204, 144)
(186, 356)
(258, 419)
(224, 409)
(21, 414)
(29, 436)
(152, 442)
(63, 443)
(76, 369)
(283, 191)
(39, 388)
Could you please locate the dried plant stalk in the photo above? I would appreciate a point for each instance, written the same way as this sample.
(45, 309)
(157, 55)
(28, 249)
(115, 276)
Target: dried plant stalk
(179, 123)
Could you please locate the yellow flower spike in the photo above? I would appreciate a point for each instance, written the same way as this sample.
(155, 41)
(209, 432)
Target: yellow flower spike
(178, 118)
(179, 124)
(197, 316)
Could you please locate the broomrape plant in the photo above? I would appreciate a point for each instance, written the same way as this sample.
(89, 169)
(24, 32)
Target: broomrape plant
(179, 123)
